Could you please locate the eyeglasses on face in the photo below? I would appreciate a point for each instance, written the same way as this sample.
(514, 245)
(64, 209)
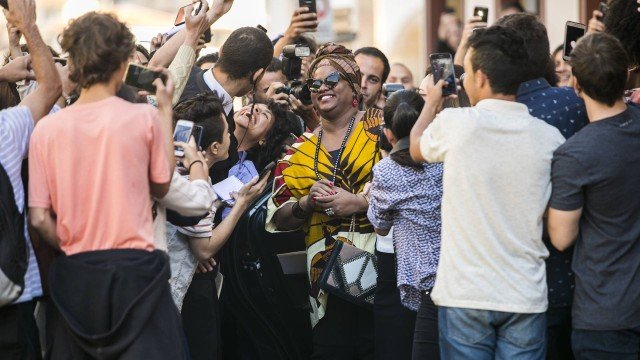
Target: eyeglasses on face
(330, 82)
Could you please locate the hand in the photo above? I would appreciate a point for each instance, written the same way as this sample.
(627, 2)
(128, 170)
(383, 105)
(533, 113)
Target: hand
(14, 35)
(473, 23)
(322, 188)
(595, 25)
(250, 191)
(17, 70)
(196, 24)
(206, 266)
(21, 14)
(164, 91)
(342, 202)
(191, 153)
(433, 92)
(68, 86)
(280, 98)
(217, 10)
(157, 42)
(302, 21)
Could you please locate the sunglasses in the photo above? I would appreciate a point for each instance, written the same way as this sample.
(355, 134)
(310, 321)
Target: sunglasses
(330, 82)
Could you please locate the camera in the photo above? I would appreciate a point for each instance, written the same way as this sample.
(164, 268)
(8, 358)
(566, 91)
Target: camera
(291, 67)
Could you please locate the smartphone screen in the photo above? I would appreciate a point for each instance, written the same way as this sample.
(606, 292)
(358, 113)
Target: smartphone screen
(573, 32)
(142, 78)
(180, 18)
(442, 65)
(481, 12)
(197, 135)
(182, 133)
(311, 4)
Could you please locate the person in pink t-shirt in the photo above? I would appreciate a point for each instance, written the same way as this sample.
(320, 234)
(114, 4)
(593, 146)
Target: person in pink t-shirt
(93, 167)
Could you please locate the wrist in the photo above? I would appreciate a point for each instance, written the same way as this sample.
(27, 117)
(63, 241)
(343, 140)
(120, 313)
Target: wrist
(191, 39)
(304, 204)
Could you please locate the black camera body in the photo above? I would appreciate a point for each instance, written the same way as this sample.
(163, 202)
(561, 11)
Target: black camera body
(291, 67)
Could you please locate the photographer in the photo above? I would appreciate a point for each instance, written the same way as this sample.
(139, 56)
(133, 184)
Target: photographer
(295, 94)
(92, 167)
(18, 328)
(273, 74)
(302, 21)
(594, 204)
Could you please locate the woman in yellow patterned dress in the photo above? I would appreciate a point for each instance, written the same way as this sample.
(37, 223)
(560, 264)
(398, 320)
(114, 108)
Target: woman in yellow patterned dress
(319, 188)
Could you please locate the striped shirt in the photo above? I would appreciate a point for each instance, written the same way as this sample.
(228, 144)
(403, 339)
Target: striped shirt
(16, 125)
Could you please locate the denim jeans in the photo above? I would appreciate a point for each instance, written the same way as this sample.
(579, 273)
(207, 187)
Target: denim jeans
(483, 334)
(604, 345)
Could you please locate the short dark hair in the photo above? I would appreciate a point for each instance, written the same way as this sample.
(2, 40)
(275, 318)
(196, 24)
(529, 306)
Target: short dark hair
(275, 65)
(513, 4)
(206, 110)
(375, 52)
(209, 58)
(623, 22)
(246, 51)
(599, 64)
(98, 44)
(536, 40)
(501, 55)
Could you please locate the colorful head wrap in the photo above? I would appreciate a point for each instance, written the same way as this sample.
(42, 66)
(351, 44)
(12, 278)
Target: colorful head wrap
(340, 58)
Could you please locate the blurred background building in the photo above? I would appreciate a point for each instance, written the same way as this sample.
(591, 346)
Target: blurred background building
(406, 30)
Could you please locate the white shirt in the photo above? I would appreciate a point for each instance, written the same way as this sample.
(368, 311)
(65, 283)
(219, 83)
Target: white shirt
(16, 126)
(496, 185)
(214, 85)
(384, 244)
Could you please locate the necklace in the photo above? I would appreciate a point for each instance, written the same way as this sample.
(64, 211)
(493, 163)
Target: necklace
(337, 161)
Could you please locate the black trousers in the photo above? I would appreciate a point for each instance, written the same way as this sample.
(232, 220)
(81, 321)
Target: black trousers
(605, 345)
(201, 317)
(18, 332)
(559, 333)
(394, 323)
(345, 332)
(426, 337)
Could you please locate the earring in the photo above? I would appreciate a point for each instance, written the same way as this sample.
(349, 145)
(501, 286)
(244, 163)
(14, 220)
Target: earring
(355, 102)
(261, 142)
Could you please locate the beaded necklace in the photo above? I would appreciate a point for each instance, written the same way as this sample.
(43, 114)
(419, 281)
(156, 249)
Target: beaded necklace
(342, 147)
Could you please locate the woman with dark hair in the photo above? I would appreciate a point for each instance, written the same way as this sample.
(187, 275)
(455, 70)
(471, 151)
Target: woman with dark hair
(319, 187)
(406, 195)
(562, 68)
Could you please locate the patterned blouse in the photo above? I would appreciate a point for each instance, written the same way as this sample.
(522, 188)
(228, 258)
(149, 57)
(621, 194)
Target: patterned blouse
(409, 200)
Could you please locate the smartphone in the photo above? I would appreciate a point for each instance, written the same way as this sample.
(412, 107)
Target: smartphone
(142, 77)
(206, 36)
(442, 64)
(180, 18)
(482, 12)
(389, 89)
(197, 135)
(573, 31)
(182, 133)
(603, 8)
(267, 169)
(61, 61)
(4, 4)
(311, 4)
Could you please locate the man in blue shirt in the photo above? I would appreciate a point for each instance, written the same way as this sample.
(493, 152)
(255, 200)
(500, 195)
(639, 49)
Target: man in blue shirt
(563, 109)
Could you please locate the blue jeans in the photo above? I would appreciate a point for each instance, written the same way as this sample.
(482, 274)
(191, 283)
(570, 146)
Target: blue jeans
(604, 345)
(483, 334)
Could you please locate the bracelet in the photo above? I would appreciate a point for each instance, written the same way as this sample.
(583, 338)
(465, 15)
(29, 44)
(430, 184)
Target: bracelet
(298, 212)
(193, 163)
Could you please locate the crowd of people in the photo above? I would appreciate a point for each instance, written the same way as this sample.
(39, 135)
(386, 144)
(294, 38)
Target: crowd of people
(502, 221)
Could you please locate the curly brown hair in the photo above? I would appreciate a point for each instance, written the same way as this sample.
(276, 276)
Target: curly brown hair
(98, 44)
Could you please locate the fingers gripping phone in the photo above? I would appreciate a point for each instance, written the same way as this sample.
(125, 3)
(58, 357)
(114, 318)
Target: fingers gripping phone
(311, 4)
(481, 12)
(142, 77)
(181, 18)
(197, 135)
(442, 64)
(267, 169)
(182, 133)
(573, 32)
